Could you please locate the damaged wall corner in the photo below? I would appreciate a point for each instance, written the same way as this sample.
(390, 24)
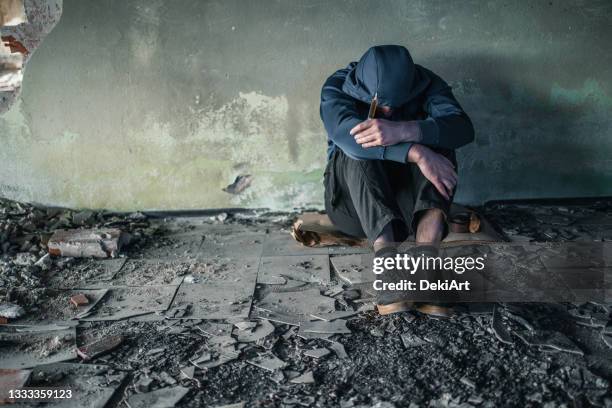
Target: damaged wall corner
(23, 26)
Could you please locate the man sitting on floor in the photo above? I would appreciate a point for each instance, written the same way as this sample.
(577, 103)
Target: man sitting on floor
(393, 174)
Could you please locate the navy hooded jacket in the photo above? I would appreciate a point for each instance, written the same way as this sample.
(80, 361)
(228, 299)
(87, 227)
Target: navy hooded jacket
(414, 92)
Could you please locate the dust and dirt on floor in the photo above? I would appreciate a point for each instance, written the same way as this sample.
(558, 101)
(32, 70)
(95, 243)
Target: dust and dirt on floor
(226, 309)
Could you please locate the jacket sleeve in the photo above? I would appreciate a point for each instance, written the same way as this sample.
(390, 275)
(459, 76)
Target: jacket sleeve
(447, 126)
(339, 114)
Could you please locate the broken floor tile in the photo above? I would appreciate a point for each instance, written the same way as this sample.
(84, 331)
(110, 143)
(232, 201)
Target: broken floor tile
(306, 268)
(312, 336)
(338, 348)
(354, 269)
(162, 398)
(99, 347)
(410, 340)
(221, 341)
(236, 405)
(218, 299)
(61, 308)
(317, 353)
(298, 303)
(306, 378)
(498, 327)
(334, 327)
(125, 302)
(143, 384)
(87, 243)
(246, 325)
(466, 381)
(263, 329)
(11, 310)
(225, 356)
(267, 361)
(216, 328)
(607, 339)
(29, 346)
(549, 339)
(282, 318)
(188, 372)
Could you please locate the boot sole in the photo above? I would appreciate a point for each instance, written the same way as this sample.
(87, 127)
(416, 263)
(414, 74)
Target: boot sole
(435, 310)
(396, 307)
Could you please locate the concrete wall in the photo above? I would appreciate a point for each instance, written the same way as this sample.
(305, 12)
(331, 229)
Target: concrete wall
(159, 104)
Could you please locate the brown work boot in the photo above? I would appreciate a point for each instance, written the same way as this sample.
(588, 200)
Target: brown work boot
(392, 301)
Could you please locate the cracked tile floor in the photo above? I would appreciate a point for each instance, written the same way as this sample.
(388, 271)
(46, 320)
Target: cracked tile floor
(226, 308)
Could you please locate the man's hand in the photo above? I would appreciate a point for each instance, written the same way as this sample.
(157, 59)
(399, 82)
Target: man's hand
(381, 132)
(436, 168)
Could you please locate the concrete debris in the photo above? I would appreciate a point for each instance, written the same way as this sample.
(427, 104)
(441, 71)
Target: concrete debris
(44, 263)
(317, 353)
(263, 329)
(188, 372)
(354, 269)
(128, 302)
(99, 347)
(224, 356)
(411, 340)
(30, 346)
(239, 185)
(162, 398)
(498, 327)
(466, 381)
(86, 243)
(79, 300)
(549, 339)
(333, 327)
(237, 405)
(267, 361)
(338, 348)
(306, 378)
(246, 325)
(11, 311)
(92, 385)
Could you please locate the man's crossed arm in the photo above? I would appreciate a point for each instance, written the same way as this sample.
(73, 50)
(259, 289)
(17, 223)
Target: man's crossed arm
(447, 126)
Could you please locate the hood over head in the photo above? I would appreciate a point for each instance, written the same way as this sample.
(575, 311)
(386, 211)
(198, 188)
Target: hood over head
(386, 70)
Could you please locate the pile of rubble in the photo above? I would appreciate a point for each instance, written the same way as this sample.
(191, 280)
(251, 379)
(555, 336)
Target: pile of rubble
(227, 310)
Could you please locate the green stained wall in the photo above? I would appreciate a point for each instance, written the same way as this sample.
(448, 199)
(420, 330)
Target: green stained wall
(151, 104)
